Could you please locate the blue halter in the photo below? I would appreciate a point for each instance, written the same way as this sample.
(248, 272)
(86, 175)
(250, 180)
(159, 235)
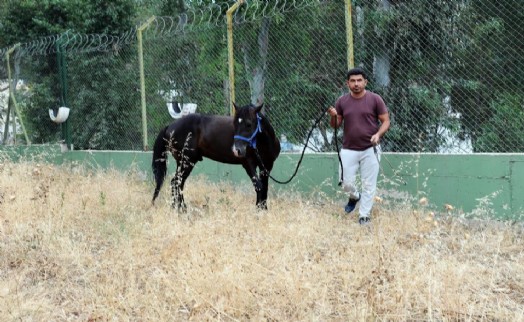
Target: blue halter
(252, 139)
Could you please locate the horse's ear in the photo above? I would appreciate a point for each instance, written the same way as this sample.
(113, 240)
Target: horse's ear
(235, 106)
(259, 108)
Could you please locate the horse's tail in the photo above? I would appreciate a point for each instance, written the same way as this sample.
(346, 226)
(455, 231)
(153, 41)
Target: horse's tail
(159, 163)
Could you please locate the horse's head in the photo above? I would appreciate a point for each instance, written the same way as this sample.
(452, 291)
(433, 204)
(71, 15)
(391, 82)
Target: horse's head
(247, 126)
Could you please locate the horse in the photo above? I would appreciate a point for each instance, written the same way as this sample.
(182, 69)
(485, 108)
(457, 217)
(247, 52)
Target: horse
(247, 139)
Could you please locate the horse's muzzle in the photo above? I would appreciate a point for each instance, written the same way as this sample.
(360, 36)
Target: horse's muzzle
(239, 151)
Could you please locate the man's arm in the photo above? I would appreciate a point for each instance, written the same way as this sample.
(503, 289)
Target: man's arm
(384, 127)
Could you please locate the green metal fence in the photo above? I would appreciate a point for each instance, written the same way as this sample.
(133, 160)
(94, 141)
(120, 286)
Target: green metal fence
(451, 73)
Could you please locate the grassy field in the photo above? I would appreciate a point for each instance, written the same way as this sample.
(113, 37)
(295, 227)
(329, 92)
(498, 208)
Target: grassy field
(88, 246)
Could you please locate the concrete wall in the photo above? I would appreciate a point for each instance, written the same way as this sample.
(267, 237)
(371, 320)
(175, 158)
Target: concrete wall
(484, 184)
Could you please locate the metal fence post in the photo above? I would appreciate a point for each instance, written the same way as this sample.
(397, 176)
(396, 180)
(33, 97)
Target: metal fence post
(142, 80)
(231, 60)
(349, 35)
(62, 71)
(12, 97)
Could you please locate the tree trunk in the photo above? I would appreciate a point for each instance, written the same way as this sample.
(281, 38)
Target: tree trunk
(381, 64)
(256, 67)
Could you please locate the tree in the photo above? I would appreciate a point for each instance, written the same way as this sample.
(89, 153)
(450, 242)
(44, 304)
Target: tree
(489, 75)
(27, 20)
(291, 63)
(32, 22)
(416, 39)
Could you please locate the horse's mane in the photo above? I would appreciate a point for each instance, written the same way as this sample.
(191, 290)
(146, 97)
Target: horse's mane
(266, 123)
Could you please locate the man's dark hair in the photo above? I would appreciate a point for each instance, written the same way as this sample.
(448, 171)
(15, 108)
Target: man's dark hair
(356, 71)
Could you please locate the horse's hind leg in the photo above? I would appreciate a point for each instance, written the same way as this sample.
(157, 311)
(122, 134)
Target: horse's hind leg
(177, 185)
(176, 192)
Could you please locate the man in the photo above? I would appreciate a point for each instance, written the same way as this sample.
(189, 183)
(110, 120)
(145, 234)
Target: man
(366, 120)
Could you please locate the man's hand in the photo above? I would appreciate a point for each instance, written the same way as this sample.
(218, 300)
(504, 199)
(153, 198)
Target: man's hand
(331, 110)
(375, 139)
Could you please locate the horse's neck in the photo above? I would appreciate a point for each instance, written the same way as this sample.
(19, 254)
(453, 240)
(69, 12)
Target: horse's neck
(266, 127)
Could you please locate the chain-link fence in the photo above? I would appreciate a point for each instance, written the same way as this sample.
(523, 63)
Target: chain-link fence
(451, 73)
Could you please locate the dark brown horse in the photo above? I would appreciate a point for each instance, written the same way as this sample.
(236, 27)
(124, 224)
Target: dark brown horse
(247, 139)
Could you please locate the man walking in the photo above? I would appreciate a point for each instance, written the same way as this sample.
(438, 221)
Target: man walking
(366, 119)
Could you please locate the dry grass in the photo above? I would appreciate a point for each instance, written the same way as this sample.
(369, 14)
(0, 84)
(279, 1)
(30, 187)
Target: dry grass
(84, 246)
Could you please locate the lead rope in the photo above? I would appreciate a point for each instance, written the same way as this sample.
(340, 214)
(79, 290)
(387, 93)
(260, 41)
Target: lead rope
(375, 150)
(341, 178)
(301, 157)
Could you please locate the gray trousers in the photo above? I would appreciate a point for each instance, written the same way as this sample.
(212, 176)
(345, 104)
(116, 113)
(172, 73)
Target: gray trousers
(366, 161)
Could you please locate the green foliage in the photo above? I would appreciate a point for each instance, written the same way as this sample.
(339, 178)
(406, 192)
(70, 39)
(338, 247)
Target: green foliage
(413, 38)
(192, 64)
(307, 74)
(168, 7)
(490, 65)
(36, 112)
(108, 17)
(105, 111)
(445, 68)
(28, 20)
(498, 134)
(106, 108)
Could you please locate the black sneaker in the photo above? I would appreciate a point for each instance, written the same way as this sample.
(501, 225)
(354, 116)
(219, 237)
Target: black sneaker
(364, 221)
(352, 203)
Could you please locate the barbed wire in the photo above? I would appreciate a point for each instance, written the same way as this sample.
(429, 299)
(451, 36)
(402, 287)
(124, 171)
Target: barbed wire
(72, 42)
(213, 14)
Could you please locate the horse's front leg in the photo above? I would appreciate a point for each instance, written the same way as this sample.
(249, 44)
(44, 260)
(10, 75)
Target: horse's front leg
(251, 170)
(264, 180)
(259, 189)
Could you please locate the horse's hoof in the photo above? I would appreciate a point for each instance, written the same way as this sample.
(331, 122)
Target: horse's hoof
(180, 208)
